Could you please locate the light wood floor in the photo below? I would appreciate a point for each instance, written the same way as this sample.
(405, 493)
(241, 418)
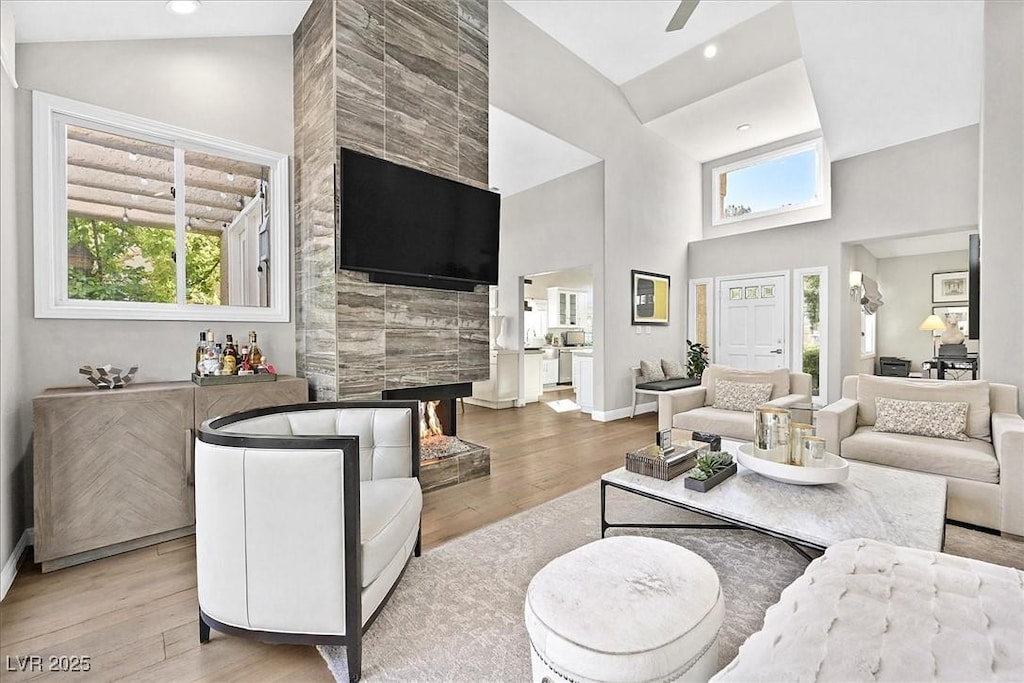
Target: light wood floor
(135, 614)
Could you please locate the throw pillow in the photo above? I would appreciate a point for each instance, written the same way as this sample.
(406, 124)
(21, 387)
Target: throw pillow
(651, 371)
(740, 396)
(922, 418)
(673, 369)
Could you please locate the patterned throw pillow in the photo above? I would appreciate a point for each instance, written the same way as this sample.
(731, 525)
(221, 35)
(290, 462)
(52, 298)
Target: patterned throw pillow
(922, 418)
(673, 369)
(651, 371)
(740, 395)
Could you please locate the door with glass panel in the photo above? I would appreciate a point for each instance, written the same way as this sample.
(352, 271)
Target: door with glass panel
(752, 323)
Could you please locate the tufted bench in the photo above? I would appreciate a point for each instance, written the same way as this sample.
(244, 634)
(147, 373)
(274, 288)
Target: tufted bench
(867, 610)
(625, 608)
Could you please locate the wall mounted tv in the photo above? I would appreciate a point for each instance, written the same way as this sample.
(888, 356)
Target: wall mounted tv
(405, 226)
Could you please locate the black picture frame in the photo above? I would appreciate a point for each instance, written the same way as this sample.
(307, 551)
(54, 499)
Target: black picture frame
(650, 302)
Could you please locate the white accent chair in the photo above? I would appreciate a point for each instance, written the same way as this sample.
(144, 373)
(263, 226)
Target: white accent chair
(306, 517)
(984, 475)
(693, 408)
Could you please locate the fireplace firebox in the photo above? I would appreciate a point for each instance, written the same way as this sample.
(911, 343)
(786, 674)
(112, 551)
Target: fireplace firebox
(445, 458)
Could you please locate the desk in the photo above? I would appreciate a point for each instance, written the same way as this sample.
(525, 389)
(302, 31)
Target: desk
(957, 367)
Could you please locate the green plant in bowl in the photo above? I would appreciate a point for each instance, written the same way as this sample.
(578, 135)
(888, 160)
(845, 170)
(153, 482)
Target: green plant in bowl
(709, 465)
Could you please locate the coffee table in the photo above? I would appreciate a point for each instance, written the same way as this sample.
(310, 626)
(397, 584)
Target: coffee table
(881, 503)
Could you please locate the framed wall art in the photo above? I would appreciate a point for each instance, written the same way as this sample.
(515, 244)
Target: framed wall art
(949, 287)
(650, 298)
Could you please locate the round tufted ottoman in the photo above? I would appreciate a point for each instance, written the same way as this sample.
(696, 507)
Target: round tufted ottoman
(624, 608)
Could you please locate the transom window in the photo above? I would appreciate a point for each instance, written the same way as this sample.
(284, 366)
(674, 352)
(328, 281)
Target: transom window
(784, 180)
(138, 219)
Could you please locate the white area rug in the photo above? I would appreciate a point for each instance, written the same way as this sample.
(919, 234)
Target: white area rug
(564, 405)
(458, 613)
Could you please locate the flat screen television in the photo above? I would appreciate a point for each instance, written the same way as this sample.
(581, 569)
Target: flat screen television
(406, 226)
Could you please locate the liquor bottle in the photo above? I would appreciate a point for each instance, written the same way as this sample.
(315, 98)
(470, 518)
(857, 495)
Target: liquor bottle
(201, 347)
(220, 358)
(230, 355)
(255, 355)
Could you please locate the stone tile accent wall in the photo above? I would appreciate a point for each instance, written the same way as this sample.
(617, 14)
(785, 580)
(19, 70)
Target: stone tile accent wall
(409, 85)
(315, 346)
(394, 337)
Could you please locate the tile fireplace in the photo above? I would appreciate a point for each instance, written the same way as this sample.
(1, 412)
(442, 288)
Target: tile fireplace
(445, 458)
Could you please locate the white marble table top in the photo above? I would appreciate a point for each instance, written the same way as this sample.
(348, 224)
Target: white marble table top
(882, 503)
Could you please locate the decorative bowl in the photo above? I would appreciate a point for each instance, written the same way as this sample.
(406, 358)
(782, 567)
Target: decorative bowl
(832, 471)
(107, 376)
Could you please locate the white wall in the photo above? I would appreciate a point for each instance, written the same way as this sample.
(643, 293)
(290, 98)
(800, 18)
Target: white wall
(13, 482)
(928, 185)
(651, 191)
(906, 283)
(555, 226)
(1002, 195)
(236, 88)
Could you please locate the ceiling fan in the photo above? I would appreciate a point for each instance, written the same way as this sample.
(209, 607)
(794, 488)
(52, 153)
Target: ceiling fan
(682, 14)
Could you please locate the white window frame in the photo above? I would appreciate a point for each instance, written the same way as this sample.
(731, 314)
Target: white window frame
(50, 114)
(798, 330)
(820, 182)
(868, 335)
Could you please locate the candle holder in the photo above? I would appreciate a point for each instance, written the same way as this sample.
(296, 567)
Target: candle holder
(771, 433)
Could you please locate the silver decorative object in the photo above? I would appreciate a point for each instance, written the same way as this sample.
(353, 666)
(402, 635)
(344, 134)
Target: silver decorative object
(797, 432)
(107, 376)
(771, 434)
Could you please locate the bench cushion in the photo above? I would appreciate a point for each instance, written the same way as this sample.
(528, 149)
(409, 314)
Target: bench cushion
(873, 611)
(973, 459)
(669, 384)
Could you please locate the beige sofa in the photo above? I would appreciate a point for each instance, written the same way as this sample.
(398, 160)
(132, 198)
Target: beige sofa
(693, 408)
(984, 475)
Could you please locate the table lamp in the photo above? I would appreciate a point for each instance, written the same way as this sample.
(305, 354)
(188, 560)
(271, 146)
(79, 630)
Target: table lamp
(933, 323)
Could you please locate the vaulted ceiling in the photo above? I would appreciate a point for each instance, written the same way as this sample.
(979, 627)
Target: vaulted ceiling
(868, 74)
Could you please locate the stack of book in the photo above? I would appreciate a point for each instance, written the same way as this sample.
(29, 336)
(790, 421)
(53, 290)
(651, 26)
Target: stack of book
(651, 462)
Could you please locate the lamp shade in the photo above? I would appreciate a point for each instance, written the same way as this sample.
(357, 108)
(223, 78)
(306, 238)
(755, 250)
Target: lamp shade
(932, 323)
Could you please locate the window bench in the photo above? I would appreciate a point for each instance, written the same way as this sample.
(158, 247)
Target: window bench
(658, 388)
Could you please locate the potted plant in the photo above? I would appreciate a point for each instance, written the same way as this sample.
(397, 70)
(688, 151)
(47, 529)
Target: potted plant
(711, 470)
(696, 359)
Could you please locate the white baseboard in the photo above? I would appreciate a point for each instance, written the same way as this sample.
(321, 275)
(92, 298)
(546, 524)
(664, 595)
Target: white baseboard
(10, 569)
(619, 413)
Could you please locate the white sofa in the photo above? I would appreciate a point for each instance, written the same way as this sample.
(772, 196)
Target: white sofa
(693, 408)
(306, 517)
(984, 475)
(870, 611)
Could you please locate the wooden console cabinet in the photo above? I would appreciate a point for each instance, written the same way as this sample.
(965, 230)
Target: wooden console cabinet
(113, 468)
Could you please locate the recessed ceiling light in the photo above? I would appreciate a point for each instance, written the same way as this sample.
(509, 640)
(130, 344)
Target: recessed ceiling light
(710, 50)
(182, 6)
(230, 177)
(133, 156)
(743, 126)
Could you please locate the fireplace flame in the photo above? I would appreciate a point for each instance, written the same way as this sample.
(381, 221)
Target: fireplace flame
(430, 423)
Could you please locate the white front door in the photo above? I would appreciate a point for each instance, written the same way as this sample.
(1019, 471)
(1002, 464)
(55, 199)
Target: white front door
(752, 323)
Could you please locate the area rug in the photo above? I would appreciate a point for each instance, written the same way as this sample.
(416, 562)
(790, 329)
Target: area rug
(458, 613)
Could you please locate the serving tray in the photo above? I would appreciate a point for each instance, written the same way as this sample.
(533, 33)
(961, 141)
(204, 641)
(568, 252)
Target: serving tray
(833, 471)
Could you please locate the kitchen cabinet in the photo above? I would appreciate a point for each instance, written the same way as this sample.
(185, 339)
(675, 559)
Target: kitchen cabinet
(533, 386)
(113, 469)
(501, 389)
(565, 307)
(583, 381)
(550, 371)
